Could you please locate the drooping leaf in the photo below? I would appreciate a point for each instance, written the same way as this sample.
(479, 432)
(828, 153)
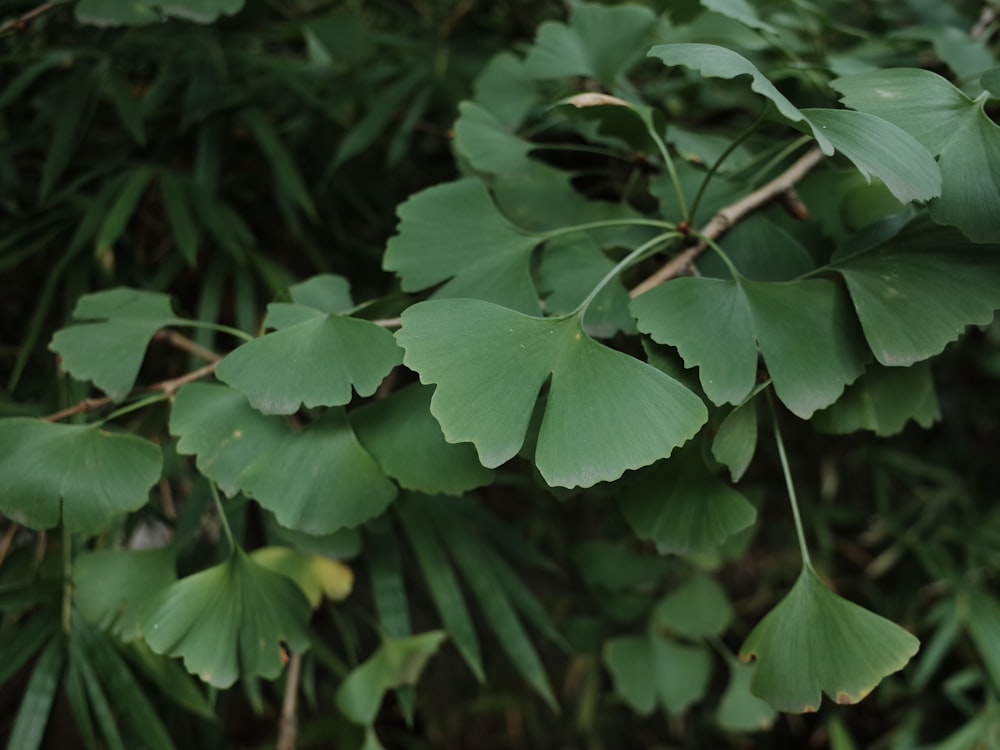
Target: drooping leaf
(606, 412)
(698, 609)
(110, 350)
(599, 42)
(397, 662)
(79, 474)
(454, 233)
(951, 126)
(815, 642)
(114, 587)
(229, 621)
(919, 290)
(682, 507)
(316, 480)
(315, 575)
(883, 400)
(805, 330)
(403, 437)
(313, 362)
(650, 671)
(740, 710)
(736, 440)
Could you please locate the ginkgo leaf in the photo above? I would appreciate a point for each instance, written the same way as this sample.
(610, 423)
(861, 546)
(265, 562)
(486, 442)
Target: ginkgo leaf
(454, 233)
(599, 42)
(919, 290)
(739, 709)
(806, 332)
(650, 671)
(682, 507)
(316, 480)
(316, 575)
(314, 362)
(486, 142)
(113, 588)
(398, 662)
(951, 126)
(736, 440)
(815, 642)
(110, 350)
(229, 621)
(875, 146)
(406, 441)
(606, 412)
(883, 400)
(698, 609)
(79, 474)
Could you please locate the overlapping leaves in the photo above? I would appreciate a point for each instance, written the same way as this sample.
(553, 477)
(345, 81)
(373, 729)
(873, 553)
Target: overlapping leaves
(605, 412)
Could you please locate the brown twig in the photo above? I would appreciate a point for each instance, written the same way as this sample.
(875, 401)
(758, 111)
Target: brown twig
(183, 343)
(388, 322)
(724, 220)
(5, 543)
(20, 23)
(288, 724)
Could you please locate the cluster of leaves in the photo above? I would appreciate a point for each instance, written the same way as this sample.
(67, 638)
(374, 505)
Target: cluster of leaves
(610, 299)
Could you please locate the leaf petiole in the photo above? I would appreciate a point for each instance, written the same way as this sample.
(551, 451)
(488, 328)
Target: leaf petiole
(632, 257)
(607, 224)
(135, 406)
(783, 457)
(222, 516)
(220, 328)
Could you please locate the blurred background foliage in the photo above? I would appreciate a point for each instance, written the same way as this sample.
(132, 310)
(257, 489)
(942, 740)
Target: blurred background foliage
(222, 161)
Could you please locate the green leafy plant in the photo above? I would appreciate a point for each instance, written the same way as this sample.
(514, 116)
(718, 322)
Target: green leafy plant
(665, 236)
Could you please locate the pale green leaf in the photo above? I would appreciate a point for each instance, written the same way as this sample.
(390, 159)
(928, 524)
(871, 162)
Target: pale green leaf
(599, 42)
(736, 440)
(318, 577)
(229, 621)
(682, 507)
(78, 474)
(919, 290)
(815, 642)
(740, 710)
(698, 609)
(325, 292)
(951, 126)
(114, 587)
(739, 10)
(991, 82)
(454, 233)
(403, 437)
(316, 480)
(110, 350)
(883, 400)
(397, 662)
(606, 412)
(649, 671)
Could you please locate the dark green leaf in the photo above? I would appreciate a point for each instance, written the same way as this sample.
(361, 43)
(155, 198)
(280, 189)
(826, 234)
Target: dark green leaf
(177, 204)
(606, 412)
(315, 480)
(696, 610)
(39, 695)
(736, 440)
(740, 710)
(286, 175)
(649, 671)
(813, 641)
(229, 621)
(486, 143)
(982, 618)
(78, 474)
(110, 351)
(120, 213)
(142, 12)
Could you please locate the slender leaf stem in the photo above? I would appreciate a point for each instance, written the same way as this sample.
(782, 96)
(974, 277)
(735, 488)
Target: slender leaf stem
(786, 470)
(135, 406)
(669, 164)
(607, 224)
(624, 263)
(222, 516)
(67, 600)
(220, 328)
(722, 254)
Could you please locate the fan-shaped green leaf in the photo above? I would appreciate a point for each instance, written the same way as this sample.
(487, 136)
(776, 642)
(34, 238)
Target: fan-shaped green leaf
(682, 507)
(454, 233)
(114, 587)
(403, 437)
(110, 351)
(229, 621)
(991, 82)
(606, 412)
(883, 400)
(650, 671)
(815, 642)
(599, 42)
(698, 609)
(77, 473)
(951, 126)
(918, 291)
(740, 710)
(736, 440)
(312, 363)
(317, 480)
(505, 89)
(486, 142)
(398, 662)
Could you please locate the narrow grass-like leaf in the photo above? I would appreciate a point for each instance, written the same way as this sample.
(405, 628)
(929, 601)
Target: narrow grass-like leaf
(110, 735)
(73, 104)
(39, 695)
(110, 350)
(177, 198)
(229, 621)
(982, 618)
(441, 582)
(75, 689)
(815, 642)
(78, 474)
(403, 437)
(385, 569)
(22, 644)
(606, 412)
(286, 175)
(123, 208)
(171, 678)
